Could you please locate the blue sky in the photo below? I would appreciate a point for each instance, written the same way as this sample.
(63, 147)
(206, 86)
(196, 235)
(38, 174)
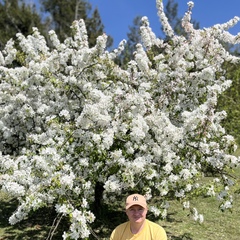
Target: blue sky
(118, 15)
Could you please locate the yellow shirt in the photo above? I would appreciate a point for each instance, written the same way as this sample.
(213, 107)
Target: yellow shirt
(150, 231)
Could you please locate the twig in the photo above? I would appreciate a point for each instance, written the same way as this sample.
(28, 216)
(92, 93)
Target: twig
(54, 228)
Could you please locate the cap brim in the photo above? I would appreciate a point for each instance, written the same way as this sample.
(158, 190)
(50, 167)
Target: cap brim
(138, 204)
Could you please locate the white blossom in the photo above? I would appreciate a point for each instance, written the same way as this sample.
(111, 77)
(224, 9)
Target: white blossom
(71, 118)
(156, 212)
(186, 204)
(65, 114)
(112, 184)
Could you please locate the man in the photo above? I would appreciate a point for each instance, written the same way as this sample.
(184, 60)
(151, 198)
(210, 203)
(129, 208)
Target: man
(138, 227)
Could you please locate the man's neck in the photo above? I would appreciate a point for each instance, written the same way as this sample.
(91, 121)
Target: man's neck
(136, 227)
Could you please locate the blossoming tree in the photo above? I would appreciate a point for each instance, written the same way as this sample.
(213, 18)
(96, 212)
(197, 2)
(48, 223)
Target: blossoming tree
(71, 120)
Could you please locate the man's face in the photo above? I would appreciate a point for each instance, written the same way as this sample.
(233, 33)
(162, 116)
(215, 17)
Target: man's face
(136, 214)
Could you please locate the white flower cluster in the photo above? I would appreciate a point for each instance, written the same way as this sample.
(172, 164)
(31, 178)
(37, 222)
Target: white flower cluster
(70, 119)
(196, 216)
(166, 26)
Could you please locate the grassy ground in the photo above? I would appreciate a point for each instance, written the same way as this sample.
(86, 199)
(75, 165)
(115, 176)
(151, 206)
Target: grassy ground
(178, 225)
(216, 225)
(33, 228)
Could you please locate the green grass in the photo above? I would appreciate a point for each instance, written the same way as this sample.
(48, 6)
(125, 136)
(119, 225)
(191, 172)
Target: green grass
(217, 225)
(35, 227)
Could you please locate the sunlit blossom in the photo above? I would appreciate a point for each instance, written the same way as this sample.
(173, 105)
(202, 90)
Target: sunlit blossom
(72, 120)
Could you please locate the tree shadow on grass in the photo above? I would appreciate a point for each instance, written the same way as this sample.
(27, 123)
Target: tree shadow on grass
(7, 207)
(36, 226)
(106, 220)
(185, 236)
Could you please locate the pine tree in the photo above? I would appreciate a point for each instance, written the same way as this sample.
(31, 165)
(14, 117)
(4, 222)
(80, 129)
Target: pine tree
(175, 21)
(64, 12)
(134, 37)
(17, 17)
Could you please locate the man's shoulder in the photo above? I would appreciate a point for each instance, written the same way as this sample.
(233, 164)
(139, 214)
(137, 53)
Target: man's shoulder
(157, 231)
(122, 226)
(153, 224)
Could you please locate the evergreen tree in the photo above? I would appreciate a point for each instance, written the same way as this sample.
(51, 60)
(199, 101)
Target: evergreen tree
(175, 21)
(64, 12)
(134, 37)
(95, 28)
(17, 16)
